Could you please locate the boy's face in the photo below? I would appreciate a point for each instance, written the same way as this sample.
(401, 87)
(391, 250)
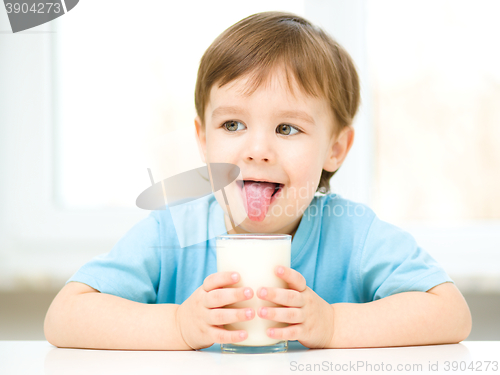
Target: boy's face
(273, 136)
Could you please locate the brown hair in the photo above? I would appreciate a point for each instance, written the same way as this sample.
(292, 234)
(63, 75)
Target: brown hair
(264, 41)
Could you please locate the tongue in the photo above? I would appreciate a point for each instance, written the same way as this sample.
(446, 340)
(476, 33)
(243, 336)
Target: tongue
(258, 196)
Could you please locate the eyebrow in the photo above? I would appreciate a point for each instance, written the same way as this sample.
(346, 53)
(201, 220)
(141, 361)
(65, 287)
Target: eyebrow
(229, 110)
(301, 115)
(225, 110)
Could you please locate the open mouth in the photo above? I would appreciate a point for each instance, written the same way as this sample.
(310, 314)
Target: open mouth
(258, 197)
(277, 186)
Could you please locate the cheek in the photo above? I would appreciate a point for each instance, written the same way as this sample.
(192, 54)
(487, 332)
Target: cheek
(218, 149)
(304, 171)
(302, 163)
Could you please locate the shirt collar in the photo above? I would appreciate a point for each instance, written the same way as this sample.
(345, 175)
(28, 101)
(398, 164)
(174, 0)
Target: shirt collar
(217, 226)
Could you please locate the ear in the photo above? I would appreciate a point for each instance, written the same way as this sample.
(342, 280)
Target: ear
(201, 138)
(338, 149)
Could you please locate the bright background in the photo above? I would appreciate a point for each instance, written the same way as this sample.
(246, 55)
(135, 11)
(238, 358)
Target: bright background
(91, 100)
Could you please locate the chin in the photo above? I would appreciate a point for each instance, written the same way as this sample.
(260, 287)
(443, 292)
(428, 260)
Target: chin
(263, 226)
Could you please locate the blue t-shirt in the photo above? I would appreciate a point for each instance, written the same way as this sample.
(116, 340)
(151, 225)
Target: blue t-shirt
(344, 251)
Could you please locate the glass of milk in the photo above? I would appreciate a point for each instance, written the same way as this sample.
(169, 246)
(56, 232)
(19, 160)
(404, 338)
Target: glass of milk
(254, 256)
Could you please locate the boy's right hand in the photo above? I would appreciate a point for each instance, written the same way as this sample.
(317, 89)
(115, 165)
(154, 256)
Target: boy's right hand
(201, 317)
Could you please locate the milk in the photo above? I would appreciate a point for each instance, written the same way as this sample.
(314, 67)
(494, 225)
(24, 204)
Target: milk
(254, 257)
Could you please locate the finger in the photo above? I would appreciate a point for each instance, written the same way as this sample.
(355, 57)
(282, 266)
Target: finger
(223, 336)
(294, 279)
(280, 314)
(220, 279)
(291, 332)
(218, 317)
(226, 296)
(280, 296)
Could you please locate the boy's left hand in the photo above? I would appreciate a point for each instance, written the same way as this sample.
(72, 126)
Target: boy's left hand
(309, 316)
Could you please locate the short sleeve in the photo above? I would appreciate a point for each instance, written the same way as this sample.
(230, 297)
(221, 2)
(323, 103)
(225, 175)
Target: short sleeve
(131, 269)
(391, 262)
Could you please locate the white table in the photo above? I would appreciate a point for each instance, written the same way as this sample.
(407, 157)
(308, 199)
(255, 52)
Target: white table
(40, 357)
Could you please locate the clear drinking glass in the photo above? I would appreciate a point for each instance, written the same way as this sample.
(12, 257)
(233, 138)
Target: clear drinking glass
(254, 256)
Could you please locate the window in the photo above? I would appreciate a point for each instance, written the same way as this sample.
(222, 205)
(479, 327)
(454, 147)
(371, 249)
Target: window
(435, 73)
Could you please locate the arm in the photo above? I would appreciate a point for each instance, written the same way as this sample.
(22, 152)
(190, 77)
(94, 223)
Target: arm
(81, 317)
(439, 316)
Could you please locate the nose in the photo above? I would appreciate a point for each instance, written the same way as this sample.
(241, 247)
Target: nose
(259, 148)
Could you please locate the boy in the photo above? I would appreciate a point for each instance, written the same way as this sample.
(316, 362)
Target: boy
(275, 96)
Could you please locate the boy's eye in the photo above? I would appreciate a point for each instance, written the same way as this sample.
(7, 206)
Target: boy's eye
(231, 125)
(286, 129)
